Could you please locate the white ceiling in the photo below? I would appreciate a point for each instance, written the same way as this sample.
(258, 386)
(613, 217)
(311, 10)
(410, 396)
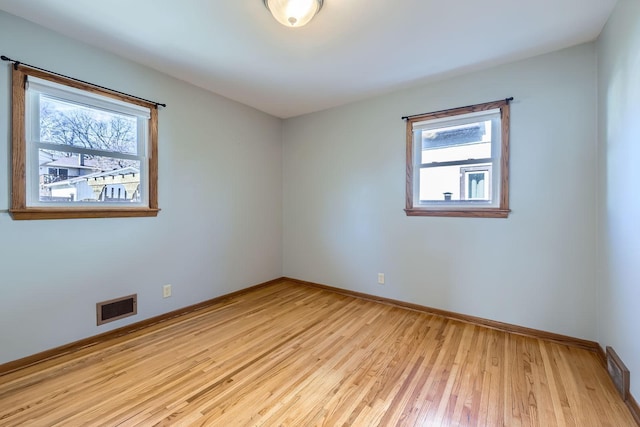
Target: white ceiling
(352, 50)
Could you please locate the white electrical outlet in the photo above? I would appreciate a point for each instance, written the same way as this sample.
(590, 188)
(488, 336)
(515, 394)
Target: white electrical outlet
(166, 291)
(381, 278)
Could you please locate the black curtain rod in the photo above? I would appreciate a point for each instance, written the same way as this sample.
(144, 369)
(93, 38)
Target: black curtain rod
(17, 63)
(507, 100)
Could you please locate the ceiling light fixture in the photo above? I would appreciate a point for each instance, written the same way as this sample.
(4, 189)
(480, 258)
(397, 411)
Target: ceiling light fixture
(293, 13)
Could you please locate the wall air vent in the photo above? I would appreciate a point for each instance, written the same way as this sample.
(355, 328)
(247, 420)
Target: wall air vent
(618, 373)
(108, 311)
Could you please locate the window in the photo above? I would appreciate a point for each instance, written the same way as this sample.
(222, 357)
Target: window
(80, 151)
(55, 174)
(458, 162)
(475, 183)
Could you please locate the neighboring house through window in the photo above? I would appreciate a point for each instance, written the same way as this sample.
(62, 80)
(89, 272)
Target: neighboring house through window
(81, 151)
(458, 162)
(475, 183)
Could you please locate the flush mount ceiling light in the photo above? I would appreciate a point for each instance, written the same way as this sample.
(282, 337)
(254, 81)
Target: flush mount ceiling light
(293, 13)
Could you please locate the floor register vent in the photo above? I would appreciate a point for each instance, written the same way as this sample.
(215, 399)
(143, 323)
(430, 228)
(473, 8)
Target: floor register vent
(108, 311)
(618, 372)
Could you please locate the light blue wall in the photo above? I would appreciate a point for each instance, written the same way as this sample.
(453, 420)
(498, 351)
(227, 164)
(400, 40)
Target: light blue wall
(619, 214)
(344, 194)
(220, 191)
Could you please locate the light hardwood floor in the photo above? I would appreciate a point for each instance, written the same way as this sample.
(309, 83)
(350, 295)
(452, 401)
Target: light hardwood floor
(293, 355)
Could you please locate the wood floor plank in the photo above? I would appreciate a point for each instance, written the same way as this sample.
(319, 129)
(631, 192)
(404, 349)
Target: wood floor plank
(292, 355)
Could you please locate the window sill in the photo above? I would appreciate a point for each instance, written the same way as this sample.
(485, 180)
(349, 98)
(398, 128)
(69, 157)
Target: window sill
(468, 213)
(64, 213)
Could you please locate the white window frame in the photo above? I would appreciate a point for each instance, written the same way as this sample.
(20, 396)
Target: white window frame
(37, 87)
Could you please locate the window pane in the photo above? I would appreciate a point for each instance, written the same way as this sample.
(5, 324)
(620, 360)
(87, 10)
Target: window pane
(439, 184)
(444, 183)
(74, 177)
(445, 144)
(77, 125)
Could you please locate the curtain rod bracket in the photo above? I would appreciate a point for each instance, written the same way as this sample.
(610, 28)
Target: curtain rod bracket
(15, 63)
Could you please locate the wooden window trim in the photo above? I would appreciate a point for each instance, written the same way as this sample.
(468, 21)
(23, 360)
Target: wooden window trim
(19, 209)
(502, 211)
